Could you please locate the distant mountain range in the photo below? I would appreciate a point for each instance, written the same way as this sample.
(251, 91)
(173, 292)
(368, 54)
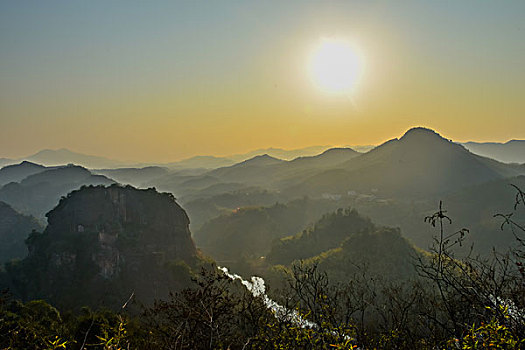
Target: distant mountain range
(280, 153)
(421, 166)
(18, 172)
(396, 183)
(64, 156)
(133, 176)
(418, 165)
(37, 189)
(49, 157)
(509, 152)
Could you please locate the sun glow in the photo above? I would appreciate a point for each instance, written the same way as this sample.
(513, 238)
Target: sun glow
(335, 66)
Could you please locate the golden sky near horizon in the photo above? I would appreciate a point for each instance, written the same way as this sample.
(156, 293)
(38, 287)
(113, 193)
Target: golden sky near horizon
(165, 81)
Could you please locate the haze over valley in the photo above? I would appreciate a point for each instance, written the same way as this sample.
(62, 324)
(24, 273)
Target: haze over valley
(262, 175)
(97, 234)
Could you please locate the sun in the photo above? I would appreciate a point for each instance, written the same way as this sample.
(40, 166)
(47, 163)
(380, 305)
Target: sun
(335, 66)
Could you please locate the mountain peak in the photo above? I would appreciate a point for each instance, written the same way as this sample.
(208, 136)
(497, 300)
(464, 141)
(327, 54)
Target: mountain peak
(25, 163)
(17, 172)
(420, 132)
(263, 159)
(340, 150)
(264, 156)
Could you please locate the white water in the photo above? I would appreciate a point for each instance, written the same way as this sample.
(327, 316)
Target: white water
(258, 289)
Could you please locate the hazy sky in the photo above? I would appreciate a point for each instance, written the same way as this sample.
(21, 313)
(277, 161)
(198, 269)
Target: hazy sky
(164, 80)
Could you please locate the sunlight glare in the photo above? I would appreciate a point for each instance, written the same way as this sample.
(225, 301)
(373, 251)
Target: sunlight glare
(335, 66)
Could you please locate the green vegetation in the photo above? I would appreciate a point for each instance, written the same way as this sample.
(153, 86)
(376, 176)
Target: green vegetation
(344, 282)
(248, 232)
(328, 233)
(103, 244)
(383, 252)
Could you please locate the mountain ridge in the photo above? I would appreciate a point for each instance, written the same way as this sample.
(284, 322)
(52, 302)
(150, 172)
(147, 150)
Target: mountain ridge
(512, 151)
(38, 193)
(18, 172)
(420, 163)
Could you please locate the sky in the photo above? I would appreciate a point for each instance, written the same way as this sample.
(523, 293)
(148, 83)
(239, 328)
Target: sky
(156, 81)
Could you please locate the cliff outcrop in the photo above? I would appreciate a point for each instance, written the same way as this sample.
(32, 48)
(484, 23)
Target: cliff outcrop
(104, 243)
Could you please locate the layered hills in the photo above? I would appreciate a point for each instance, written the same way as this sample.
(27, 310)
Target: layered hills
(512, 151)
(420, 164)
(103, 244)
(39, 192)
(345, 243)
(395, 183)
(14, 229)
(56, 157)
(248, 232)
(133, 176)
(18, 172)
(327, 233)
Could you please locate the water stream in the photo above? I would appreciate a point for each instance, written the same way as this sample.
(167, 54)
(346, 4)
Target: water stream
(257, 287)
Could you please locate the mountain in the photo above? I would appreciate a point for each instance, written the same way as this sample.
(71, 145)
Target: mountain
(509, 152)
(261, 160)
(206, 162)
(40, 192)
(248, 232)
(418, 165)
(133, 176)
(253, 170)
(344, 243)
(381, 253)
(18, 172)
(14, 229)
(103, 244)
(396, 184)
(265, 170)
(327, 233)
(330, 157)
(280, 153)
(64, 156)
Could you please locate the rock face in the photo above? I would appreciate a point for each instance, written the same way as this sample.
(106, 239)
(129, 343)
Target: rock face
(108, 242)
(124, 219)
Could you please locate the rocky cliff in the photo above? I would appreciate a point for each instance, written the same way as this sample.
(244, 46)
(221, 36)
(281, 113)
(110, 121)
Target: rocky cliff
(104, 243)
